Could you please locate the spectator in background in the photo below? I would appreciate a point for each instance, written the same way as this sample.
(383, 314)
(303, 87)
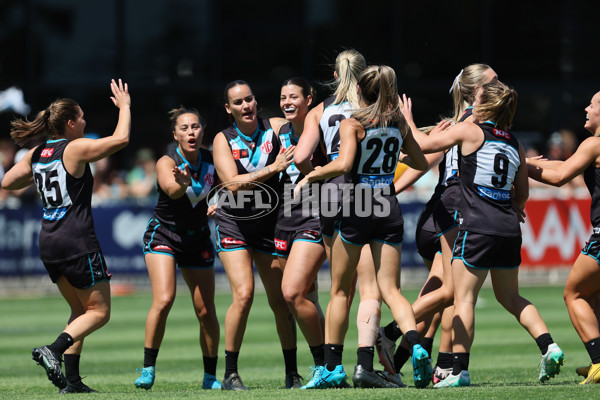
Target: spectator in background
(534, 186)
(562, 145)
(7, 157)
(109, 186)
(142, 177)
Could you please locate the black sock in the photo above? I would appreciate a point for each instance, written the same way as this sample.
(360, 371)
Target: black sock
(543, 341)
(427, 345)
(400, 358)
(231, 362)
(289, 358)
(333, 355)
(72, 368)
(444, 360)
(62, 343)
(412, 338)
(210, 365)
(318, 353)
(593, 349)
(460, 363)
(364, 357)
(392, 331)
(150, 357)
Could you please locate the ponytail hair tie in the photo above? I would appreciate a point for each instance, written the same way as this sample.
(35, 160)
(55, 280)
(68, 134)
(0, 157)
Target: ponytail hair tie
(456, 81)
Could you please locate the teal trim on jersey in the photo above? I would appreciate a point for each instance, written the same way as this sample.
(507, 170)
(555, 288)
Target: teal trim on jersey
(44, 164)
(307, 240)
(336, 104)
(462, 258)
(254, 135)
(500, 141)
(201, 168)
(197, 167)
(94, 281)
(254, 153)
(287, 140)
(586, 251)
(347, 241)
(150, 251)
(455, 225)
(91, 270)
(489, 122)
(160, 253)
(55, 140)
(264, 252)
(218, 247)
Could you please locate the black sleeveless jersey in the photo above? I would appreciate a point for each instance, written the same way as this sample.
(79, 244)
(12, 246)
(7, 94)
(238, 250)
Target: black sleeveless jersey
(67, 223)
(591, 176)
(329, 128)
(377, 156)
(292, 213)
(329, 125)
(448, 168)
(188, 213)
(252, 153)
(486, 178)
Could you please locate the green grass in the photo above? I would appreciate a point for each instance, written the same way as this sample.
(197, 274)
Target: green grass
(503, 364)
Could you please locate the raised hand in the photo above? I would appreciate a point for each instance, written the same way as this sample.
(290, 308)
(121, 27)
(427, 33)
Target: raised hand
(406, 108)
(120, 93)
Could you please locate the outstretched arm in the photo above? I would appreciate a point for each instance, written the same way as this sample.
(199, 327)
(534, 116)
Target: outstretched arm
(228, 172)
(557, 173)
(89, 150)
(410, 176)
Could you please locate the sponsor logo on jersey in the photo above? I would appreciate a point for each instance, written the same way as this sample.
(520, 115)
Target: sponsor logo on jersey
(377, 181)
(266, 147)
(501, 133)
(209, 179)
(280, 244)
(47, 152)
(229, 241)
(161, 247)
(240, 153)
(494, 194)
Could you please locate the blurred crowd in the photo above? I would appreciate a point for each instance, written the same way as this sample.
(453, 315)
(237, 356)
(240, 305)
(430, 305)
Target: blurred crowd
(137, 183)
(112, 185)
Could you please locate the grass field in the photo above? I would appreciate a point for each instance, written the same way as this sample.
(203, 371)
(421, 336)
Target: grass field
(503, 364)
